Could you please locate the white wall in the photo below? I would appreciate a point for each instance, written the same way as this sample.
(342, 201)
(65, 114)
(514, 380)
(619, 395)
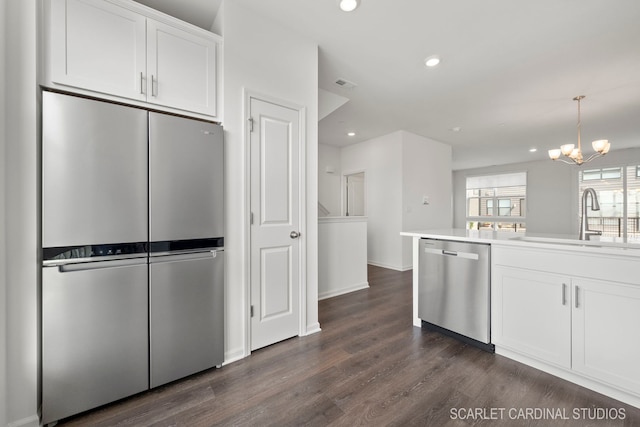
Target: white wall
(264, 58)
(329, 184)
(399, 169)
(342, 255)
(552, 198)
(3, 248)
(381, 160)
(21, 232)
(426, 171)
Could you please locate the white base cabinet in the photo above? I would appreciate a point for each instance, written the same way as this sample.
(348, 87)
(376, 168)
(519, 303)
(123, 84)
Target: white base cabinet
(122, 49)
(605, 321)
(534, 314)
(584, 329)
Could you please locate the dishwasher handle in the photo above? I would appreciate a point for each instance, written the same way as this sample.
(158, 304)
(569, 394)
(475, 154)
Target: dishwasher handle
(443, 252)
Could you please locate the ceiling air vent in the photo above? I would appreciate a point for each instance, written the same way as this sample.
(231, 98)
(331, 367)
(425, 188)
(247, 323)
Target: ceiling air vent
(345, 84)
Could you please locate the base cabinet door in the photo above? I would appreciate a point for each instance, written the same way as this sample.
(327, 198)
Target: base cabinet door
(532, 314)
(606, 317)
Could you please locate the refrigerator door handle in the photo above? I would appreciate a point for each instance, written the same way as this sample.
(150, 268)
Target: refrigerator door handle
(95, 259)
(99, 265)
(184, 256)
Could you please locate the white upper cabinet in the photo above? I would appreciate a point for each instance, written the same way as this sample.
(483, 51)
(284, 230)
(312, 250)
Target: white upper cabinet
(181, 68)
(118, 48)
(99, 46)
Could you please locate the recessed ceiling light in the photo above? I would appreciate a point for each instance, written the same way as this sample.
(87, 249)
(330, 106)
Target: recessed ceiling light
(533, 150)
(432, 61)
(455, 129)
(351, 134)
(348, 5)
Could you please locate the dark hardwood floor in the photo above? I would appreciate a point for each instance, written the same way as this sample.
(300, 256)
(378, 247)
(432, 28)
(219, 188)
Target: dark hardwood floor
(369, 366)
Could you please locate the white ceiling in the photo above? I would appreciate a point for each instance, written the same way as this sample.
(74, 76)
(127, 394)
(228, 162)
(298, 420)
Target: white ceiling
(509, 70)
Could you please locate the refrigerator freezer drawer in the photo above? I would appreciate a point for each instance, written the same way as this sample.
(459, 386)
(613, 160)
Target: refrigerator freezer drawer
(187, 314)
(94, 336)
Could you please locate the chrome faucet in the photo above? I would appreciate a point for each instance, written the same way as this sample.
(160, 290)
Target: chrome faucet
(585, 232)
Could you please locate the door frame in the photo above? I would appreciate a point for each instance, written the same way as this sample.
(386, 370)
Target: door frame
(248, 95)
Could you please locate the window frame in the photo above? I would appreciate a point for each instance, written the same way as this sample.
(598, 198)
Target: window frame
(615, 225)
(492, 209)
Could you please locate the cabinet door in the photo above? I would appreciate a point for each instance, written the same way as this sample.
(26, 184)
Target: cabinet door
(606, 316)
(181, 69)
(532, 314)
(98, 46)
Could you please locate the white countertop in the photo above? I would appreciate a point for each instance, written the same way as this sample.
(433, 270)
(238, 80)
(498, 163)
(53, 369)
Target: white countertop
(549, 241)
(327, 219)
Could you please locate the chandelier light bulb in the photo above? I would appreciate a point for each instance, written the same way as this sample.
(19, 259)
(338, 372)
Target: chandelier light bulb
(567, 149)
(600, 145)
(555, 153)
(575, 153)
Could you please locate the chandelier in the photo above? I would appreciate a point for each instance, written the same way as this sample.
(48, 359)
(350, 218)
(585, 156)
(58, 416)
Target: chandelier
(573, 153)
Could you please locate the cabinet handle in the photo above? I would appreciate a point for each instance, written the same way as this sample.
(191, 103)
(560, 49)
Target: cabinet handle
(154, 92)
(577, 293)
(141, 84)
(564, 294)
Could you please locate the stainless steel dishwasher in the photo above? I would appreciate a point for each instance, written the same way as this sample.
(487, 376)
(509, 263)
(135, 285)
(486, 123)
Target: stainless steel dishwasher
(454, 291)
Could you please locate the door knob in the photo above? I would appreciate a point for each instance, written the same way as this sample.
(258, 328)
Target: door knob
(294, 235)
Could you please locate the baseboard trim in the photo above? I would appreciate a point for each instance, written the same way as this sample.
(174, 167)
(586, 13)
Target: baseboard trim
(391, 267)
(32, 421)
(353, 288)
(312, 329)
(233, 356)
(629, 398)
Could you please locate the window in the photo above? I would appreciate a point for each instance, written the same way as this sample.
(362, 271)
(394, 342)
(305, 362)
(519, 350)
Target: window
(497, 202)
(618, 191)
(600, 174)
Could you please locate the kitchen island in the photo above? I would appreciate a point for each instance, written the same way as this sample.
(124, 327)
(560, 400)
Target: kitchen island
(568, 307)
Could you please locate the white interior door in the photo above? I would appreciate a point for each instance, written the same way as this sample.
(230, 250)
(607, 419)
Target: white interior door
(275, 225)
(354, 194)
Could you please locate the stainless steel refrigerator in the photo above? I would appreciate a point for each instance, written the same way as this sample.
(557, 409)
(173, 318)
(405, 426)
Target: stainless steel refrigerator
(132, 238)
